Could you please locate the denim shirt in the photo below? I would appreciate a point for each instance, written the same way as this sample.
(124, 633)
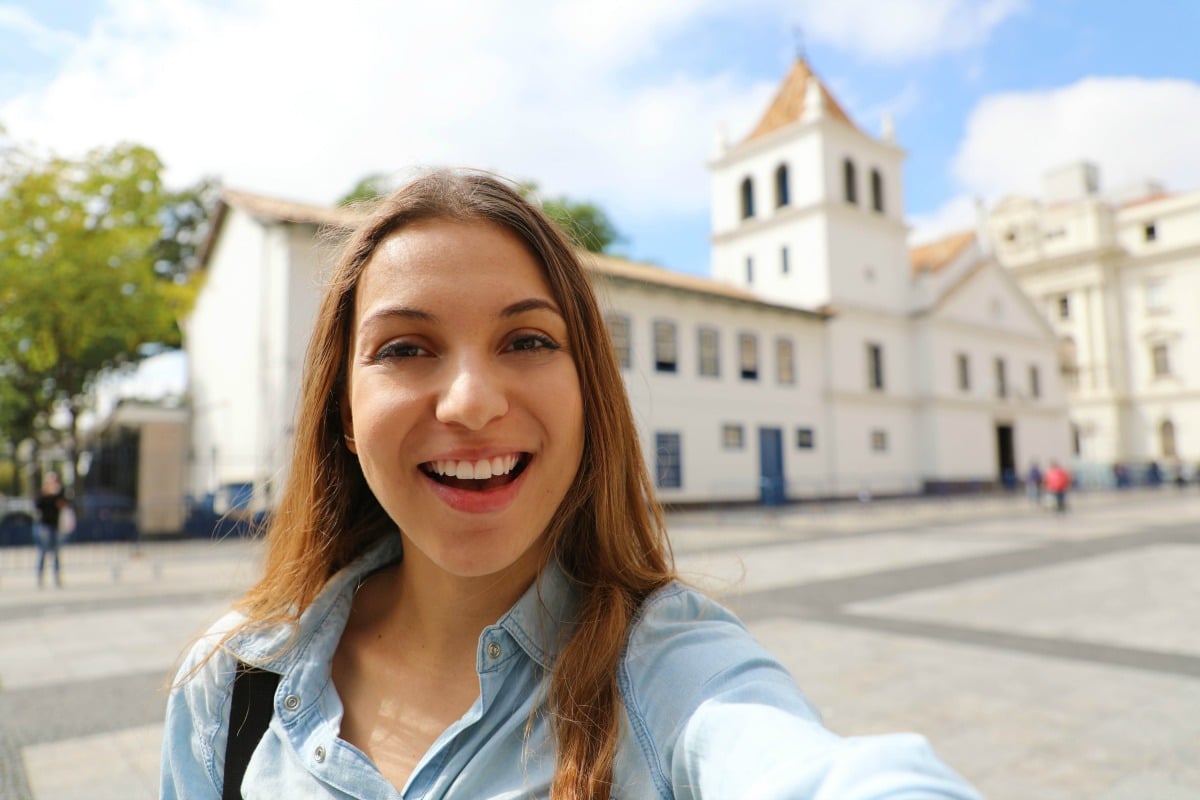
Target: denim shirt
(708, 713)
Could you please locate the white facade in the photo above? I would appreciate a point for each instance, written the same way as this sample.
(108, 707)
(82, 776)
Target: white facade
(245, 341)
(899, 420)
(1117, 277)
(822, 361)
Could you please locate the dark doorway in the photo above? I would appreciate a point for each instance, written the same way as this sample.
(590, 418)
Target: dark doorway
(772, 485)
(1006, 456)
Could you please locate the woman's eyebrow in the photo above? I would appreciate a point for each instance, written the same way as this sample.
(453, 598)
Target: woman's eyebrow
(532, 304)
(403, 312)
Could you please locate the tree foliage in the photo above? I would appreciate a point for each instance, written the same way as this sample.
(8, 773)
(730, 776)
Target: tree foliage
(87, 277)
(586, 222)
(369, 187)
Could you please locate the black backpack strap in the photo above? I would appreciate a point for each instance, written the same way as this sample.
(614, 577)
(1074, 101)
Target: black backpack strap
(249, 715)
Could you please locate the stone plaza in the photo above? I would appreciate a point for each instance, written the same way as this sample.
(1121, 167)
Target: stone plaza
(1046, 656)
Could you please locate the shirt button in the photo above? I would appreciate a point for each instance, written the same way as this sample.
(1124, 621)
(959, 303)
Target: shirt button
(493, 650)
(291, 702)
(319, 754)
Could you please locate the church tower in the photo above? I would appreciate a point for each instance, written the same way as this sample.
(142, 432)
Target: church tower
(808, 209)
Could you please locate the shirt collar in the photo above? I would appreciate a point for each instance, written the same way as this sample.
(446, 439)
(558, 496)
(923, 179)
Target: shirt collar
(543, 619)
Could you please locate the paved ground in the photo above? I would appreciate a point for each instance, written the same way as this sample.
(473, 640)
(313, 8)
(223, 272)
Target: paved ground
(1045, 656)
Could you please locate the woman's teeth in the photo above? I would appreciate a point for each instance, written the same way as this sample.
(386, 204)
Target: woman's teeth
(474, 470)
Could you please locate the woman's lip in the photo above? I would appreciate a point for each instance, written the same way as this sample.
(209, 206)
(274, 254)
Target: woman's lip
(471, 501)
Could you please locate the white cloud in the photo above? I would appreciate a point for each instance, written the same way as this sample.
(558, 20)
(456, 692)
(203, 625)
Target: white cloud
(301, 99)
(905, 30)
(1132, 128)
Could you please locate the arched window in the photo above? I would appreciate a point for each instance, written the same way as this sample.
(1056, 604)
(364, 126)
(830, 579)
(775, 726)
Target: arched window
(781, 186)
(1166, 438)
(747, 198)
(876, 191)
(850, 181)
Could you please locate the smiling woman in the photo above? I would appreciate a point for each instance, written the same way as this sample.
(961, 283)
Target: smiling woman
(468, 590)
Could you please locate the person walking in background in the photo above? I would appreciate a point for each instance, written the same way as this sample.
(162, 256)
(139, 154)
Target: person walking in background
(1058, 480)
(1033, 484)
(50, 504)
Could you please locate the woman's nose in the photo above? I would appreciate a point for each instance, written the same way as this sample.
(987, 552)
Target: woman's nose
(474, 395)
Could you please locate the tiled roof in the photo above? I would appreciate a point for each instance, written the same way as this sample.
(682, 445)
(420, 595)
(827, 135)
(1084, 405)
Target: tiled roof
(277, 210)
(936, 256)
(273, 209)
(620, 268)
(788, 105)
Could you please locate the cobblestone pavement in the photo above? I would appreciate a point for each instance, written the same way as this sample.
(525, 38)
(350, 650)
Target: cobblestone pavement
(1045, 656)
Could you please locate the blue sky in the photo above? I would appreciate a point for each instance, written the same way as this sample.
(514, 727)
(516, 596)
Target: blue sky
(613, 101)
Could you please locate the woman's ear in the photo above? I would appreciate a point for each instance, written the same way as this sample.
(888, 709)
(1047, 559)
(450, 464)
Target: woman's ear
(347, 423)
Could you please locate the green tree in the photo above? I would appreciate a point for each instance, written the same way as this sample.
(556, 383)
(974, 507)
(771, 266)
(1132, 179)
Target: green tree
(585, 221)
(369, 187)
(82, 268)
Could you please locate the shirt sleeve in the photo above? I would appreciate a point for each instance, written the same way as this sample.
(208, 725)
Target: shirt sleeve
(740, 744)
(197, 706)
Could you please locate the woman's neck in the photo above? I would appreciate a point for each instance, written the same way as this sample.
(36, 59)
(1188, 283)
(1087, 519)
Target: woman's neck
(440, 615)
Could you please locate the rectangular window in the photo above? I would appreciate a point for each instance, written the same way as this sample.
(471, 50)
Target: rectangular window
(1064, 306)
(784, 267)
(748, 356)
(1001, 379)
(708, 343)
(1035, 382)
(879, 443)
(785, 361)
(1150, 231)
(749, 269)
(668, 472)
(964, 372)
(1156, 297)
(805, 439)
(618, 331)
(874, 366)
(733, 437)
(1162, 360)
(665, 355)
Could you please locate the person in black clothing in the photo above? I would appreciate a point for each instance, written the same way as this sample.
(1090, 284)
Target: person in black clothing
(49, 504)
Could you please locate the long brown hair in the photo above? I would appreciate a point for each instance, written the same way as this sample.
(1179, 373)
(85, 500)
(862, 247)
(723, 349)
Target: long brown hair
(607, 533)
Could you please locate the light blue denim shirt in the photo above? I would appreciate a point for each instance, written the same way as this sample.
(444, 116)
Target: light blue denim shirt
(708, 714)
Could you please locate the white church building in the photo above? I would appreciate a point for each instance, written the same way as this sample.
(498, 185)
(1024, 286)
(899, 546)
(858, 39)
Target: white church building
(1117, 275)
(822, 358)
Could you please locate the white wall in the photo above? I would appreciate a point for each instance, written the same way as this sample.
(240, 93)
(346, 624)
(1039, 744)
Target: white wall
(698, 406)
(225, 359)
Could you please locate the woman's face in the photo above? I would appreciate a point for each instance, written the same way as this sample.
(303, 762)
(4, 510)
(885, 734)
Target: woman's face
(463, 399)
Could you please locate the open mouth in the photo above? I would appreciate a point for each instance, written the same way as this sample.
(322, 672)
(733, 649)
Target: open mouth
(478, 476)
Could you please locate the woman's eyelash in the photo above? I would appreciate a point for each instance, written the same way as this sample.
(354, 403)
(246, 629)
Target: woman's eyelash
(397, 350)
(534, 341)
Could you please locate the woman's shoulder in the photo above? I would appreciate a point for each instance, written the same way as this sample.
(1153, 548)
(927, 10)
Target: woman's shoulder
(685, 647)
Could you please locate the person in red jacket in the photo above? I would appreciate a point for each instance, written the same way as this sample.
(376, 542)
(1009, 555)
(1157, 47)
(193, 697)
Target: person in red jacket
(1058, 480)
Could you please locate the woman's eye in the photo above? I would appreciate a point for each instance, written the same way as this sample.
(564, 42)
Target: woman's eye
(398, 350)
(533, 341)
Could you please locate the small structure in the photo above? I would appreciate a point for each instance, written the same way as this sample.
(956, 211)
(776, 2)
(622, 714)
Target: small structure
(136, 472)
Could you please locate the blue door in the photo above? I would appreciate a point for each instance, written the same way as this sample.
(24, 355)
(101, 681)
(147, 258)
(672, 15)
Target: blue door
(772, 484)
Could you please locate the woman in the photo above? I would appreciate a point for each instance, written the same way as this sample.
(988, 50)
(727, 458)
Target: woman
(50, 504)
(468, 590)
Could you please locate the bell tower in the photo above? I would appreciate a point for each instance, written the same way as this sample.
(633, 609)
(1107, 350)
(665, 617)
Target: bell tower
(808, 209)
